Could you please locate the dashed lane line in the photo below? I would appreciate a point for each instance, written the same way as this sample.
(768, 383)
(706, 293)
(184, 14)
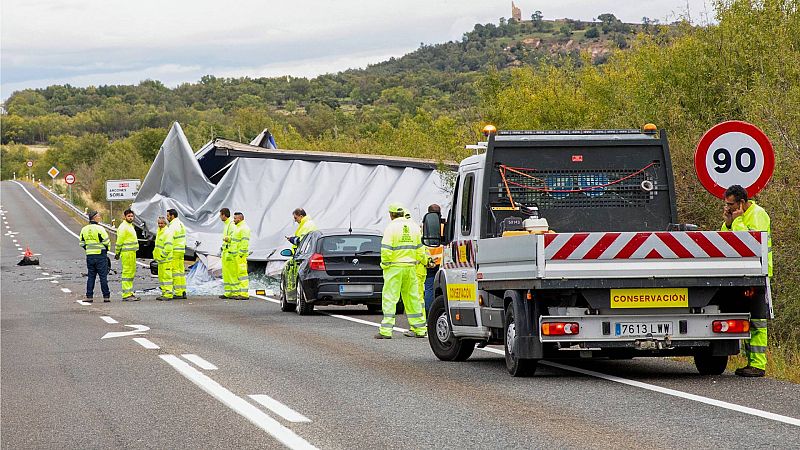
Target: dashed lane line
(199, 361)
(66, 290)
(241, 406)
(60, 222)
(81, 302)
(146, 343)
(616, 379)
(279, 408)
(108, 319)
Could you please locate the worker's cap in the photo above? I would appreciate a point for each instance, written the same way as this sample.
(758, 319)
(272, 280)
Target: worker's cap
(91, 214)
(396, 208)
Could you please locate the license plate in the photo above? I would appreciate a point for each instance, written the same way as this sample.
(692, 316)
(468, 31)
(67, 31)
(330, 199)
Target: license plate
(643, 328)
(355, 289)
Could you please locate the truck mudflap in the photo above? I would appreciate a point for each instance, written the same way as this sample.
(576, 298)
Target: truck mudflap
(646, 332)
(528, 344)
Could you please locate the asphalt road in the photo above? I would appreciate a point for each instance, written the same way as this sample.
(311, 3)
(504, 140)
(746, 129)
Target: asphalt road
(328, 384)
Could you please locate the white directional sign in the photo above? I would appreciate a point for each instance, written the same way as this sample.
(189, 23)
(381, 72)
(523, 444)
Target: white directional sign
(122, 189)
(69, 178)
(734, 152)
(53, 172)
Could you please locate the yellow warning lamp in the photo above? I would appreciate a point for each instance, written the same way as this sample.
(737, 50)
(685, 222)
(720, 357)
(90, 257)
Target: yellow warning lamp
(650, 128)
(489, 129)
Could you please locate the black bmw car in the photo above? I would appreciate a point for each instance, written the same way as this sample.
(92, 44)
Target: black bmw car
(333, 267)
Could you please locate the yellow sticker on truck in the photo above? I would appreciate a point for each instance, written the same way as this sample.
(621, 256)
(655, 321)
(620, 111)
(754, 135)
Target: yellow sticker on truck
(461, 292)
(650, 298)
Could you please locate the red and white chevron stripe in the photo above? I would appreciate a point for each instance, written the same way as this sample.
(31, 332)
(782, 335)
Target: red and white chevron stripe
(653, 245)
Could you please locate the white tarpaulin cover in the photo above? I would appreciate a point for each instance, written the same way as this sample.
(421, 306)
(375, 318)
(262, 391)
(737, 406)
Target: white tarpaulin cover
(334, 194)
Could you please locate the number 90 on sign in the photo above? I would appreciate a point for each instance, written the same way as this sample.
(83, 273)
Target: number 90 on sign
(734, 152)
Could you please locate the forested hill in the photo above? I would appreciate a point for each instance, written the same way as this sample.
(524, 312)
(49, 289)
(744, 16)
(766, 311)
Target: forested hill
(437, 77)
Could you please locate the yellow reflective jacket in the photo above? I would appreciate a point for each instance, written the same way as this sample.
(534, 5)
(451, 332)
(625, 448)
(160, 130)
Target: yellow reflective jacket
(127, 241)
(402, 244)
(227, 247)
(305, 226)
(178, 235)
(162, 252)
(755, 218)
(241, 238)
(94, 239)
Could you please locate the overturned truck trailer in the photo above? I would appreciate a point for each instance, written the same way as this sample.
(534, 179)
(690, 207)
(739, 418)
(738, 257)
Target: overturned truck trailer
(337, 190)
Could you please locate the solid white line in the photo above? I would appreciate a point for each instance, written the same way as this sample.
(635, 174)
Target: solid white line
(241, 406)
(61, 223)
(199, 362)
(146, 343)
(667, 391)
(279, 408)
(84, 303)
(107, 319)
(639, 384)
(65, 290)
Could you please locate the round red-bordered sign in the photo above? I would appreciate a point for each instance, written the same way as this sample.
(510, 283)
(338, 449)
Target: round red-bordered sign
(29, 163)
(69, 178)
(734, 152)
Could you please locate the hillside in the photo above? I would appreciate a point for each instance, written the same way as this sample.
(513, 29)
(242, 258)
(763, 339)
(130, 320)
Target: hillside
(432, 101)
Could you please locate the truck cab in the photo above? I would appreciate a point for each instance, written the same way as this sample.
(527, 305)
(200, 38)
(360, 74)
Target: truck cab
(567, 243)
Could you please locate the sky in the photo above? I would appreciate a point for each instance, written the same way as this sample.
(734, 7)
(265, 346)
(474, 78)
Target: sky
(98, 42)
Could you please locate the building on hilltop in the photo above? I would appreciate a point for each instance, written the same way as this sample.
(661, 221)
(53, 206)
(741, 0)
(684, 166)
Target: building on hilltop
(516, 12)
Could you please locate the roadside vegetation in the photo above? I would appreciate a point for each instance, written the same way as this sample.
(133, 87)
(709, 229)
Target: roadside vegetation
(532, 75)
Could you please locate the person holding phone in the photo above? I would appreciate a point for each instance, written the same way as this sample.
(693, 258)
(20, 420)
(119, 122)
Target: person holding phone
(743, 214)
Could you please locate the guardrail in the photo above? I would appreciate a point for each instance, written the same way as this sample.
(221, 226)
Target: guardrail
(80, 212)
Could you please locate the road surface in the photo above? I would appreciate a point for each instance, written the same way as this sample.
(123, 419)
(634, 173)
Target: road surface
(210, 373)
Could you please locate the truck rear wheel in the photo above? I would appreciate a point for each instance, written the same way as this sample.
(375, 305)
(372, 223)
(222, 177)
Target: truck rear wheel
(515, 365)
(440, 335)
(708, 364)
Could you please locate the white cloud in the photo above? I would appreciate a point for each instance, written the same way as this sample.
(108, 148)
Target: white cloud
(113, 42)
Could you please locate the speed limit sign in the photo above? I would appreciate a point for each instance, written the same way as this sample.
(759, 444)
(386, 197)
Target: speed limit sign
(69, 178)
(734, 152)
(29, 163)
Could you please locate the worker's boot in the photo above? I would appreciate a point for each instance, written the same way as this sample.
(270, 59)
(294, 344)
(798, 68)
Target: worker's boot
(381, 336)
(750, 372)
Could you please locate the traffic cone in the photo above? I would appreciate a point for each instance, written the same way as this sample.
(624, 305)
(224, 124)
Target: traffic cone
(28, 259)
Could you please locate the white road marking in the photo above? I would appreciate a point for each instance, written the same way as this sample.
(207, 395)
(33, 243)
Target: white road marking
(107, 319)
(146, 343)
(138, 329)
(44, 279)
(65, 290)
(638, 384)
(84, 303)
(54, 281)
(279, 408)
(199, 361)
(61, 223)
(45, 273)
(13, 240)
(667, 391)
(241, 406)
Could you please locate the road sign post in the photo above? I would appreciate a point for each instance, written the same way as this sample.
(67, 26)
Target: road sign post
(734, 152)
(53, 172)
(70, 180)
(121, 190)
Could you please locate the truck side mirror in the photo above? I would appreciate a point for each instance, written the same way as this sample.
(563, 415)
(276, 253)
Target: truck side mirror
(287, 253)
(432, 230)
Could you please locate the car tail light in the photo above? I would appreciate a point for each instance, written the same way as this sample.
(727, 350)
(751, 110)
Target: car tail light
(730, 326)
(316, 262)
(560, 328)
